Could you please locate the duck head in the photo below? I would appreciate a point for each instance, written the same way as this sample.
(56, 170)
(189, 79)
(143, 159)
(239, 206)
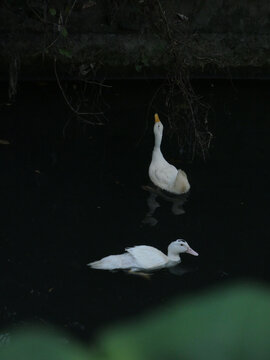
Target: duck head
(180, 246)
(158, 128)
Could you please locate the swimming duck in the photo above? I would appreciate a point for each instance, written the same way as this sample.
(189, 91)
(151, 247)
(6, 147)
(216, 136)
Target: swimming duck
(144, 257)
(163, 174)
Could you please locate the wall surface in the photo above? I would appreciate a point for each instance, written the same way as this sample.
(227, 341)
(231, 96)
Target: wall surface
(140, 38)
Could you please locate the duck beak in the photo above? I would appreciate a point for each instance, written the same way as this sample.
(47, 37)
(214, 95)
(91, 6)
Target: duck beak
(192, 252)
(156, 118)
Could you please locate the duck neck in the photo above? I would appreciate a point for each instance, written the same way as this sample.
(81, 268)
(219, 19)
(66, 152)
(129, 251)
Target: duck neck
(158, 138)
(172, 255)
(157, 151)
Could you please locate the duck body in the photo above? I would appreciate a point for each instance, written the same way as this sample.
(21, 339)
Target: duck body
(144, 257)
(136, 258)
(163, 174)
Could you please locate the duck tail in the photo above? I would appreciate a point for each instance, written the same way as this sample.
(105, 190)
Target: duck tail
(107, 263)
(181, 183)
(113, 262)
(97, 264)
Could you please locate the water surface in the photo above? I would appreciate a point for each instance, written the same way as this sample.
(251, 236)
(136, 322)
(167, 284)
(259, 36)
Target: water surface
(70, 200)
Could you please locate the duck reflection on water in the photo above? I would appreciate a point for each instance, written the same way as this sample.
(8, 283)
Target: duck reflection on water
(177, 201)
(178, 270)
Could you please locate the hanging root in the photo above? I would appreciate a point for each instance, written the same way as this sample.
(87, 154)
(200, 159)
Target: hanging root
(14, 67)
(186, 112)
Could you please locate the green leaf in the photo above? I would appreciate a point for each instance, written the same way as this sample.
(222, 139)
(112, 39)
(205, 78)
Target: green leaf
(145, 60)
(65, 53)
(138, 67)
(52, 11)
(64, 32)
(225, 324)
(228, 323)
(40, 344)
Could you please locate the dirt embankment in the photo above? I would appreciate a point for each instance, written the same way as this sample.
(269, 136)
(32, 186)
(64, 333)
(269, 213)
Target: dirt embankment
(141, 38)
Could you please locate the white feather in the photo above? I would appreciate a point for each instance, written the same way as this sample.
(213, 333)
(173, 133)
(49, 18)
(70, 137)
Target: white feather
(147, 257)
(123, 261)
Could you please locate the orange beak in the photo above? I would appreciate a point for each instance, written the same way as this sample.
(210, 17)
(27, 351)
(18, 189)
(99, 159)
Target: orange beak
(156, 118)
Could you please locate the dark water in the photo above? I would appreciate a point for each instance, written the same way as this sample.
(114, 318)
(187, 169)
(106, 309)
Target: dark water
(66, 201)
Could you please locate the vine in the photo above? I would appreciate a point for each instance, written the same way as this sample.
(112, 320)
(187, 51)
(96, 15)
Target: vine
(187, 114)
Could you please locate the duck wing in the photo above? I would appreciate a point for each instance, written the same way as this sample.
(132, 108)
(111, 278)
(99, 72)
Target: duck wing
(147, 257)
(164, 175)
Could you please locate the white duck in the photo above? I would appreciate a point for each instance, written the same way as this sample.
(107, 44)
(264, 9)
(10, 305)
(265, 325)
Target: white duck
(163, 174)
(144, 257)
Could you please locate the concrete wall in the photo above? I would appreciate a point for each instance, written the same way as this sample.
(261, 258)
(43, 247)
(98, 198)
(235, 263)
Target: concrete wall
(139, 38)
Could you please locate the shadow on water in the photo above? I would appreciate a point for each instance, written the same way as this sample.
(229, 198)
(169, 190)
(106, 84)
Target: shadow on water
(152, 202)
(70, 200)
